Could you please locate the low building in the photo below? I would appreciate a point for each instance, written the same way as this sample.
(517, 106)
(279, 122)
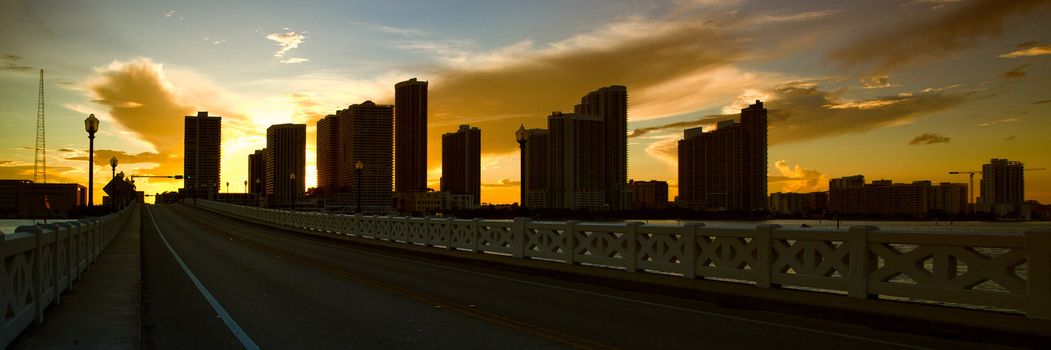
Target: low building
(798, 203)
(24, 198)
(651, 194)
(851, 195)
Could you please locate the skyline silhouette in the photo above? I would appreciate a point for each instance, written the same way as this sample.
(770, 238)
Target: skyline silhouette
(847, 94)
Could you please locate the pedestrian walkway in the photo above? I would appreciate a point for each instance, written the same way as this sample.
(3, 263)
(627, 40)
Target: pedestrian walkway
(103, 310)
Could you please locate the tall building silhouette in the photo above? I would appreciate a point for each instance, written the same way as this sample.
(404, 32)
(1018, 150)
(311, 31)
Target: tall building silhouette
(462, 163)
(534, 168)
(257, 172)
(651, 194)
(410, 136)
(576, 166)
(285, 164)
(366, 135)
(202, 138)
(328, 155)
(1002, 188)
(610, 104)
(725, 169)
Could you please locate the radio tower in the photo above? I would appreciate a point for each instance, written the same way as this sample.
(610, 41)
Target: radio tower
(40, 164)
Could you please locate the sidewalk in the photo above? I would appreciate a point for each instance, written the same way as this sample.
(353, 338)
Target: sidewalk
(103, 310)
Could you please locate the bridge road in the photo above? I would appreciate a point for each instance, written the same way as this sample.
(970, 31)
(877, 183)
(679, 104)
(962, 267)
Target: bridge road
(283, 290)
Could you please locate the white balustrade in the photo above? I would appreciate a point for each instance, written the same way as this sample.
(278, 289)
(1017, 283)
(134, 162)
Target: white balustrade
(39, 263)
(1006, 271)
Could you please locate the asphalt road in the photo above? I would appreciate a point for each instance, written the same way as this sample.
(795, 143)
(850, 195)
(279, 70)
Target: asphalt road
(263, 287)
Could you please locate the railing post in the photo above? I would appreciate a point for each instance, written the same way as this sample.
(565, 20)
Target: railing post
(763, 259)
(55, 263)
(518, 237)
(631, 251)
(475, 227)
(689, 250)
(38, 278)
(571, 242)
(449, 233)
(1038, 251)
(860, 261)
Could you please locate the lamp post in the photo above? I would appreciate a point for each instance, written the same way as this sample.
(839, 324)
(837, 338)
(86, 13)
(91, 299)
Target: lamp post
(292, 189)
(91, 125)
(228, 187)
(113, 167)
(245, 198)
(522, 136)
(358, 167)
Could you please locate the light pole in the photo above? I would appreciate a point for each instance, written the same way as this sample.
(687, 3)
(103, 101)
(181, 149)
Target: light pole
(522, 136)
(113, 167)
(292, 189)
(244, 200)
(91, 125)
(359, 166)
(228, 187)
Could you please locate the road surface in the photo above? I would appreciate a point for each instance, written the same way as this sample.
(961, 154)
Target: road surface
(215, 282)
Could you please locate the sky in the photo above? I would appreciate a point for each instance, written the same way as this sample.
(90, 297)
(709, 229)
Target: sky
(903, 90)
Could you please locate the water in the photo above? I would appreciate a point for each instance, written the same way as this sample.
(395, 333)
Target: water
(8, 226)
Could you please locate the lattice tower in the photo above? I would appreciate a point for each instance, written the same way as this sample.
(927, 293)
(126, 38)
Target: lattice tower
(40, 163)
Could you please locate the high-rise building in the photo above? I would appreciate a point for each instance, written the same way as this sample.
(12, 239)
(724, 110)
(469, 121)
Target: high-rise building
(651, 194)
(202, 138)
(410, 136)
(328, 155)
(610, 104)
(257, 172)
(1003, 188)
(575, 162)
(462, 163)
(285, 164)
(366, 135)
(725, 169)
(534, 168)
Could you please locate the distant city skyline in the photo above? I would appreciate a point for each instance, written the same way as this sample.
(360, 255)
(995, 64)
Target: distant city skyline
(924, 88)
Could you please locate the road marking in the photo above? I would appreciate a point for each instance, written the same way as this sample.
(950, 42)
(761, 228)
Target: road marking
(225, 316)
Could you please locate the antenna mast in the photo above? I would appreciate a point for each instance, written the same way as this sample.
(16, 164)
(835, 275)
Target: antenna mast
(40, 164)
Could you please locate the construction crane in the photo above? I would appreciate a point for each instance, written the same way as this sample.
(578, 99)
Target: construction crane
(970, 189)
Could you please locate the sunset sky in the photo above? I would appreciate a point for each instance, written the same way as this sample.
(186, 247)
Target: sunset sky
(902, 90)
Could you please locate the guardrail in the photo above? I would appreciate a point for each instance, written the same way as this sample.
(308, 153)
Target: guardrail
(1004, 271)
(39, 263)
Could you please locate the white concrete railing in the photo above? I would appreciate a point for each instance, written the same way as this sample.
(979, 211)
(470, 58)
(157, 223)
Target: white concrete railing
(1005, 271)
(41, 262)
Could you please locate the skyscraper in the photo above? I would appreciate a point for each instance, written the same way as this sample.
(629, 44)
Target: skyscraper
(257, 172)
(462, 163)
(285, 164)
(725, 169)
(576, 166)
(328, 155)
(534, 168)
(366, 136)
(202, 138)
(610, 104)
(1003, 187)
(410, 136)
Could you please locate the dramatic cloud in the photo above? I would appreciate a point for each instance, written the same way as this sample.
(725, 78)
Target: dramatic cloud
(797, 179)
(1017, 72)
(1041, 102)
(11, 63)
(994, 122)
(55, 173)
(287, 41)
(876, 82)
(934, 4)
(1027, 52)
(936, 36)
(928, 139)
(504, 182)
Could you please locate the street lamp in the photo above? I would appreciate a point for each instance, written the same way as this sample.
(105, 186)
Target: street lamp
(113, 167)
(292, 190)
(91, 125)
(522, 136)
(359, 166)
(228, 187)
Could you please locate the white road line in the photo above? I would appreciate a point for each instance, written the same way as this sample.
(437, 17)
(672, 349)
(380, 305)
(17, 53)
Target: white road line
(225, 316)
(537, 284)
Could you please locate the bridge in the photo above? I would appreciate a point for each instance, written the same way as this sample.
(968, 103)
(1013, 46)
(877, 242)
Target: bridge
(217, 275)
